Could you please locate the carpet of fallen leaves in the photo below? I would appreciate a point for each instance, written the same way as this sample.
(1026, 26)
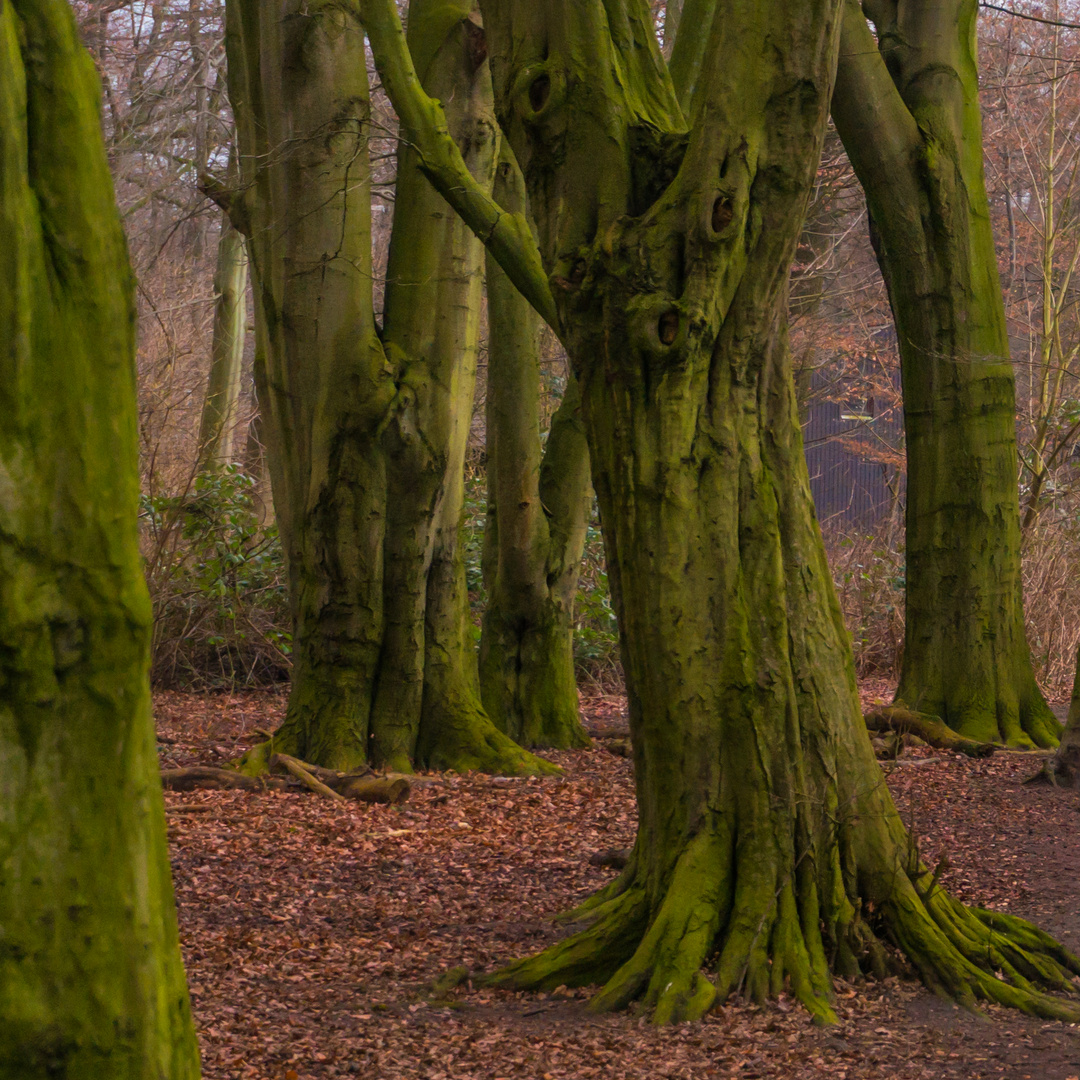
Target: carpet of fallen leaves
(312, 932)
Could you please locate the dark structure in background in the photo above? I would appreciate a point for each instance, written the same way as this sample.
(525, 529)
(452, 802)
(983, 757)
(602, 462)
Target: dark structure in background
(854, 448)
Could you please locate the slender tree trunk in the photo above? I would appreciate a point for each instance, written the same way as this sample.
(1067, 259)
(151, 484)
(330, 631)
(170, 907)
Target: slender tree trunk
(910, 120)
(218, 427)
(766, 835)
(1066, 763)
(537, 515)
(365, 428)
(91, 981)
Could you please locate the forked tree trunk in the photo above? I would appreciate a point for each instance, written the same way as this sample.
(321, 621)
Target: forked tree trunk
(910, 120)
(537, 516)
(91, 981)
(218, 425)
(766, 835)
(365, 428)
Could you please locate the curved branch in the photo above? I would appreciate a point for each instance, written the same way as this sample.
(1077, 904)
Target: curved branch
(507, 236)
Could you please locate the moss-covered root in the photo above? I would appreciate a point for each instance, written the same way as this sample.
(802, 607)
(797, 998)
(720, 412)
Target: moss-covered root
(770, 940)
(769, 930)
(902, 721)
(460, 737)
(970, 955)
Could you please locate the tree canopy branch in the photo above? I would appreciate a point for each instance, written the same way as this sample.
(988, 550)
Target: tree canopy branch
(1030, 18)
(507, 236)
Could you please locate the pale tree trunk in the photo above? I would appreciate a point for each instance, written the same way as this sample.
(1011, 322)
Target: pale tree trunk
(218, 425)
(910, 121)
(91, 981)
(766, 836)
(365, 427)
(537, 516)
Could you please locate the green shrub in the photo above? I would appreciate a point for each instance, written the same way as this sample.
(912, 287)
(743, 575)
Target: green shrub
(218, 587)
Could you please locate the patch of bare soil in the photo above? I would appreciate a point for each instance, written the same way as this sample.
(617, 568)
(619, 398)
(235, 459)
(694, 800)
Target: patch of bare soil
(312, 931)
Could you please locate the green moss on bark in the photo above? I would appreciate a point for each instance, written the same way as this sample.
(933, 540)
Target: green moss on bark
(538, 503)
(910, 120)
(365, 425)
(766, 835)
(91, 981)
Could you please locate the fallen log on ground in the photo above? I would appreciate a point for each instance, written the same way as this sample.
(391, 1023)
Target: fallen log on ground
(363, 785)
(897, 719)
(206, 778)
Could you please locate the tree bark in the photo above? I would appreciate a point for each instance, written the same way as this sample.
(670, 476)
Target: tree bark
(1065, 765)
(365, 426)
(766, 835)
(537, 515)
(218, 425)
(910, 120)
(91, 980)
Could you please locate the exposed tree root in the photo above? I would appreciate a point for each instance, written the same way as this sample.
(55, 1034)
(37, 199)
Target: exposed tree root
(904, 721)
(776, 935)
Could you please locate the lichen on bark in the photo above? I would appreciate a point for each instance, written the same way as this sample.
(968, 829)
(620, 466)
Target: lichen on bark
(91, 981)
(766, 835)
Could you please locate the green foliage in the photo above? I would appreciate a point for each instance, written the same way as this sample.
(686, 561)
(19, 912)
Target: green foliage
(218, 586)
(596, 642)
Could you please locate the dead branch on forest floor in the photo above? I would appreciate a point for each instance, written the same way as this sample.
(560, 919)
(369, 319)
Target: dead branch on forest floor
(361, 785)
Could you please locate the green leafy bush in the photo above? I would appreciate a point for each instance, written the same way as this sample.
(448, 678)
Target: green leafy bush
(218, 586)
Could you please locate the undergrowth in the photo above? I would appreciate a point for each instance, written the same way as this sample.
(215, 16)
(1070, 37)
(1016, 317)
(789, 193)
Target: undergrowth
(221, 616)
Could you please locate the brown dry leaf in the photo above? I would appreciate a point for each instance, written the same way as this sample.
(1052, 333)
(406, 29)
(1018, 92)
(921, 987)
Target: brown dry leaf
(313, 931)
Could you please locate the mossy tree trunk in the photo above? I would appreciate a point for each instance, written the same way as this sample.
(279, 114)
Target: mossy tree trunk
(91, 981)
(218, 425)
(537, 515)
(907, 109)
(766, 835)
(365, 426)
(1066, 762)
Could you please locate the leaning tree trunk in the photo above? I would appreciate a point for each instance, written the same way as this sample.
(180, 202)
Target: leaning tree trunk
(218, 426)
(91, 981)
(766, 835)
(364, 427)
(537, 516)
(910, 121)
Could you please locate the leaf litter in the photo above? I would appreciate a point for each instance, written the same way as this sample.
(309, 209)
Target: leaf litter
(313, 931)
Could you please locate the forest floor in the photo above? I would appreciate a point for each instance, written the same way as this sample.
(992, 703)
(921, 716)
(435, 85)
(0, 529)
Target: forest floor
(312, 931)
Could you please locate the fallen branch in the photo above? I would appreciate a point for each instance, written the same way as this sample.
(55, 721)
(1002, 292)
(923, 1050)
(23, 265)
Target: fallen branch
(204, 778)
(895, 718)
(363, 785)
(305, 777)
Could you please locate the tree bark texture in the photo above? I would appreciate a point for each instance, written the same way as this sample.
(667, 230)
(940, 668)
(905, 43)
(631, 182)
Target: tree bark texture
(1065, 765)
(218, 424)
(907, 109)
(365, 425)
(91, 981)
(766, 836)
(537, 514)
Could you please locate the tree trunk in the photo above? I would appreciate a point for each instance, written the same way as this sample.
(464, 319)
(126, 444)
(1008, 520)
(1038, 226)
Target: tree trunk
(766, 835)
(1066, 763)
(910, 120)
(537, 514)
(91, 981)
(365, 429)
(217, 429)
